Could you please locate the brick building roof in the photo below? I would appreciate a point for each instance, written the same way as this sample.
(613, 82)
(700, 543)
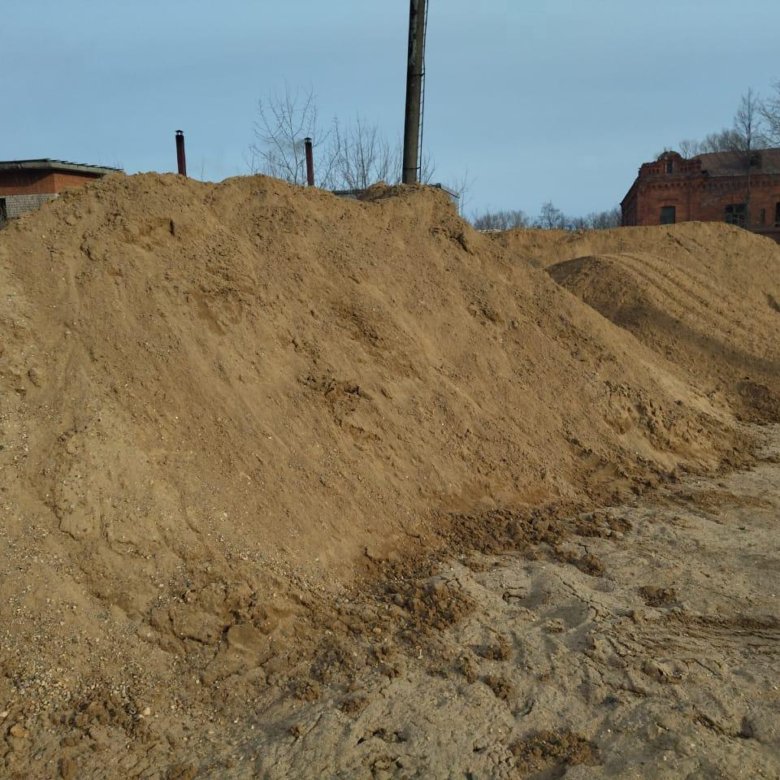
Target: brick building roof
(55, 165)
(733, 163)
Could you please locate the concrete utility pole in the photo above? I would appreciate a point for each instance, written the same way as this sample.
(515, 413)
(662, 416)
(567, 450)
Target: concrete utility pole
(415, 76)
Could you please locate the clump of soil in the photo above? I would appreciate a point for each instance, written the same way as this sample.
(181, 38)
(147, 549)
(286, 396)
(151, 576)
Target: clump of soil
(547, 750)
(658, 597)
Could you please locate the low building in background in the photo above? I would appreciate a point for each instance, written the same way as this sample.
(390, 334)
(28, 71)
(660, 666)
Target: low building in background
(362, 194)
(25, 185)
(742, 188)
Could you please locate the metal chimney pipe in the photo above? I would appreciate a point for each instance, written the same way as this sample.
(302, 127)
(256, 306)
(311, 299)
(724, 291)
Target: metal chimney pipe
(415, 73)
(307, 142)
(181, 156)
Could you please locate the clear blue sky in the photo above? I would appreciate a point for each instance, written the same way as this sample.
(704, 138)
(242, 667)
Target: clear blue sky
(549, 100)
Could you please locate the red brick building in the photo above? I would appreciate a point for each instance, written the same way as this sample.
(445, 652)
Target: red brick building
(739, 188)
(25, 185)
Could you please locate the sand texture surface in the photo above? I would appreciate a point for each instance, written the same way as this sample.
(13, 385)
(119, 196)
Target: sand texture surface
(663, 662)
(273, 463)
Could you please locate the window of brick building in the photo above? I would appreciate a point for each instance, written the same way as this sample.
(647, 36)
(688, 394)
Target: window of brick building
(668, 215)
(777, 215)
(735, 214)
(669, 166)
(4, 211)
(762, 217)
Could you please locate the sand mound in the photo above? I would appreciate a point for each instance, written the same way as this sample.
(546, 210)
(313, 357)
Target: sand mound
(219, 399)
(702, 295)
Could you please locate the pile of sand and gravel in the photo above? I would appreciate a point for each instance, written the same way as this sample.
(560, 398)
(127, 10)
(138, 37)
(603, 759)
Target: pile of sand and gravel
(222, 404)
(704, 295)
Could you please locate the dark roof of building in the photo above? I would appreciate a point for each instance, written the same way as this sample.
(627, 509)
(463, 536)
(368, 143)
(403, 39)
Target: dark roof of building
(733, 163)
(55, 165)
(358, 194)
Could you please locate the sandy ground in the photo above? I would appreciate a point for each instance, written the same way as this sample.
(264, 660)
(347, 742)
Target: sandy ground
(666, 664)
(642, 642)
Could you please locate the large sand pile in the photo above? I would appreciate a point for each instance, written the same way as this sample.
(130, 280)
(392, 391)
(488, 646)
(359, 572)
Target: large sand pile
(706, 296)
(220, 402)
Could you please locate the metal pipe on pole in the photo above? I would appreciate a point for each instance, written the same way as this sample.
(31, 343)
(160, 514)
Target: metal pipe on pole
(415, 74)
(309, 148)
(181, 156)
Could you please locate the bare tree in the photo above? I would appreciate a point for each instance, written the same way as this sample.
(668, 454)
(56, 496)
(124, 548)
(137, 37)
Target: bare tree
(350, 157)
(500, 220)
(747, 137)
(283, 122)
(362, 156)
(596, 220)
(770, 112)
(687, 148)
(747, 132)
(604, 220)
(726, 140)
(550, 218)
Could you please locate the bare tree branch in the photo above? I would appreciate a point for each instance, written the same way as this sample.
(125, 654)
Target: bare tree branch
(282, 124)
(770, 112)
(364, 157)
(351, 157)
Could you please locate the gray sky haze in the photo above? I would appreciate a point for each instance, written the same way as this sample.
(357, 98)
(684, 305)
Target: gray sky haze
(556, 100)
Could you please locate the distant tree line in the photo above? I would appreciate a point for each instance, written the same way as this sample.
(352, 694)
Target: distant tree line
(549, 218)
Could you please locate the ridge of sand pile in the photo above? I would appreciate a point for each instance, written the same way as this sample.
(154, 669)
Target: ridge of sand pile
(704, 295)
(217, 396)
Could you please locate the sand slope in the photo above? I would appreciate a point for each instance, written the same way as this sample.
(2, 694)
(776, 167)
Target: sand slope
(705, 296)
